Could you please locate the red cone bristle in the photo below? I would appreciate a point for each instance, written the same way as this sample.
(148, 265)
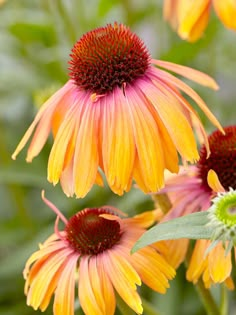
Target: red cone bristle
(90, 234)
(222, 159)
(108, 57)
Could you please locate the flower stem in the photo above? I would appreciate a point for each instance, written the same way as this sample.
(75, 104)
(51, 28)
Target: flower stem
(224, 300)
(123, 307)
(162, 201)
(67, 21)
(203, 293)
(207, 299)
(148, 308)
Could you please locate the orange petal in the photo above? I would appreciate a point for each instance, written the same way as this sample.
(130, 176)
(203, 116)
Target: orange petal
(147, 138)
(124, 278)
(118, 149)
(187, 72)
(62, 140)
(198, 262)
(153, 269)
(48, 107)
(101, 285)
(86, 151)
(90, 300)
(170, 79)
(41, 282)
(65, 292)
(174, 120)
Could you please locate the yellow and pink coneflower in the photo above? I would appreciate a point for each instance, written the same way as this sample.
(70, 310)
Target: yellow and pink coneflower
(120, 113)
(193, 190)
(93, 250)
(190, 18)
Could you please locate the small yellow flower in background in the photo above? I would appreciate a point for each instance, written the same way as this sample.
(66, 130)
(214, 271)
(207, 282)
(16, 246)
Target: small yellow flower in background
(119, 114)
(94, 250)
(193, 190)
(190, 17)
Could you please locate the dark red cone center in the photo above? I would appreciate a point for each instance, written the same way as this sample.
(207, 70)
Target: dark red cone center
(222, 159)
(90, 234)
(108, 57)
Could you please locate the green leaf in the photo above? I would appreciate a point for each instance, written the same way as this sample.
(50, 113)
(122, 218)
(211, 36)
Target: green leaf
(191, 226)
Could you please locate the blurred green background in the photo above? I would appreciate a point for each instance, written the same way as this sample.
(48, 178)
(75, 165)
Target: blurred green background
(35, 42)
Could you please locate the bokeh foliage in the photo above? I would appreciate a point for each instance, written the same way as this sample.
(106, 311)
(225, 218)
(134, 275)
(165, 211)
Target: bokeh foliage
(35, 42)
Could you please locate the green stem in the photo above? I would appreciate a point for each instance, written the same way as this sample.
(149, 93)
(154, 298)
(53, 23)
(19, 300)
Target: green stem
(203, 293)
(162, 201)
(207, 299)
(123, 307)
(224, 300)
(148, 308)
(70, 30)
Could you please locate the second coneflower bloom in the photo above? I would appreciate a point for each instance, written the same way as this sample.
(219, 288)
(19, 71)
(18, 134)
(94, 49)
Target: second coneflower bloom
(93, 250)
(193, 190)
(190, 18)
(119, 114)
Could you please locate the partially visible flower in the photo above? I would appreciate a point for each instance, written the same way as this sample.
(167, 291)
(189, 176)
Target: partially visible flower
(194, 189)
(119, 114)
(211, 259)
(190, 18)
(94, 248)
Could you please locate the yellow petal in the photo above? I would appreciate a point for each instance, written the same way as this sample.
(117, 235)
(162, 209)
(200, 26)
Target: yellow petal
(86, 151)
(118, 148)
(48, 107)
(219, 265)
(153, 269)
(123, 277)
(174, 120)
(226, 10)
(90, 300)
(198, 262)
(192, 18)
(214, 182)
(194, 75)
(62, 140)
(65, 292)
(147, 139)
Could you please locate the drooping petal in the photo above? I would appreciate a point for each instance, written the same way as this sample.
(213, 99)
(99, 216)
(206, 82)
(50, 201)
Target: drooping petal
(124, 279)
(118, 149)
(177, 124)
(197, 263)
(208, 81)
(64, 142)
(219, 264)
(101, 284)
(153, 269)
(187, 72)
(226, 10)
(86, 159)
(90, 299)
(65, 292)
(193, 18)
(147, 139)
(48, 107)
(41, 281)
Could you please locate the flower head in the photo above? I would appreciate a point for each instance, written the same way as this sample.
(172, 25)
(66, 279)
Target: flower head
(119, 114)
(194, 189)
(94, 248)
(190, 18)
